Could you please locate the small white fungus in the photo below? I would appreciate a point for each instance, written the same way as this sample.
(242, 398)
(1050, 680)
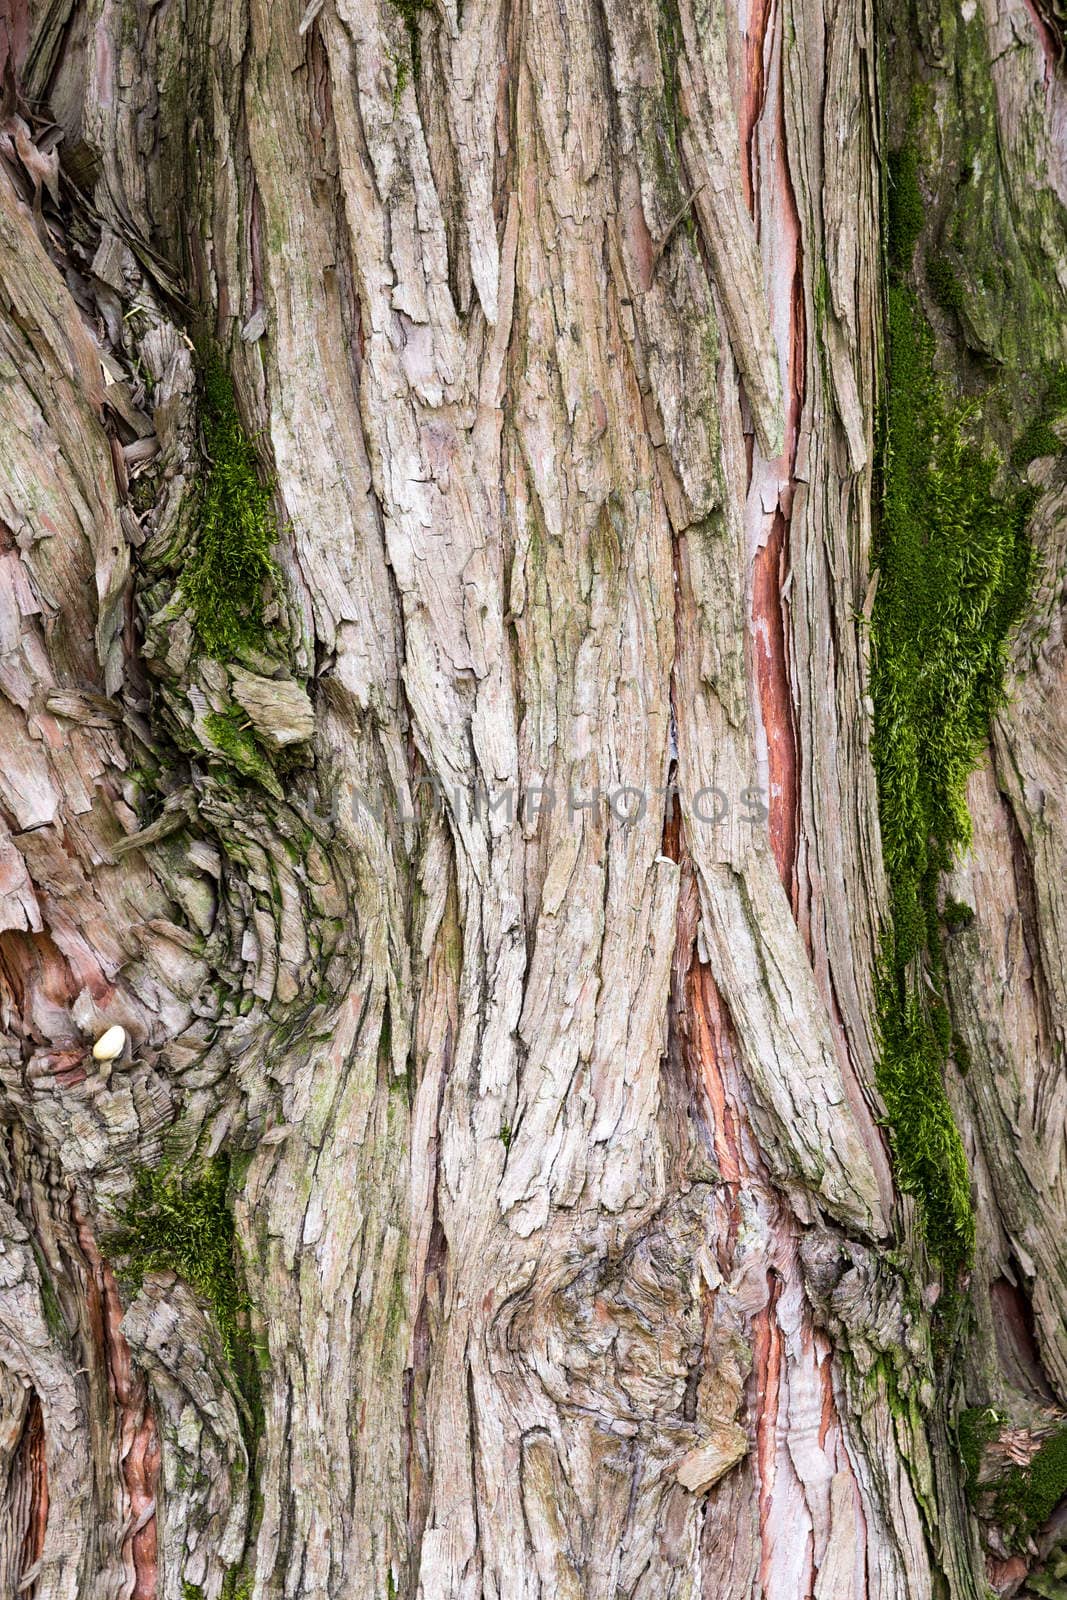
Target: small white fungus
(110, 1045)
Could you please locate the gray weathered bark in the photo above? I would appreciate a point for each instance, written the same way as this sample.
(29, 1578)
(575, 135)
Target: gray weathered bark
(571, 1257)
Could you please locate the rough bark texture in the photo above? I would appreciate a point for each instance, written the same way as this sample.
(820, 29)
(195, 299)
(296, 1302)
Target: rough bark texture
(493, 1199)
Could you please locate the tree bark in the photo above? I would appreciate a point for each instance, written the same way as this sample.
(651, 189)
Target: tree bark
(494, 1197)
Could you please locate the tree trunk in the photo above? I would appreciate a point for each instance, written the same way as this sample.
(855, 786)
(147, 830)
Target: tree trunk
(454, 493)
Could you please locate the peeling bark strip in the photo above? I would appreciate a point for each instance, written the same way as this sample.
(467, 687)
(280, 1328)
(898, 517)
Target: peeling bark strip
(431, 402)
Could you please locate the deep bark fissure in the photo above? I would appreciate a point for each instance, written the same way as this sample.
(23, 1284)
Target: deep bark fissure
(26, 1509)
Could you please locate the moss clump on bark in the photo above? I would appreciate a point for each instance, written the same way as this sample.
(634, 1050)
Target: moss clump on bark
(231, 564)
(930, 1163)
(904, 204)
(1038, 439)
(230, 732)
(945, 286)
(1027, 1496)
(1023, 1498)
(410, 11)
(975, 1428)
(955, 573)
(55, 1321)
(185, 1226)
(233, 1588)
(957, 914)
(955, 567)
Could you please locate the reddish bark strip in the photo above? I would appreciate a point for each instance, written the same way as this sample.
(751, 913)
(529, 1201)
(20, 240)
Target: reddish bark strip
(141, 1471)
(14, 35)
(1051, 48)
(775, 696)
(710, 1046)
(770, 198)
(753, 95)
(768, 1372)
(139, 1453)
(31, 1466)
(799, 1446)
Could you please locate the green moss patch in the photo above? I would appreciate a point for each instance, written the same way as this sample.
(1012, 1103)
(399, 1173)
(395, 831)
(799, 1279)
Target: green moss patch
(1023, 1498)
(929, 1159)
(904, 205)
(957, 914)
(955, 567)
(1038, 438)
(945, 286)
(228, 573)
(1027, 1496)
(975, 1428)
(411, 12)
(229, 731)
(185, 1225)
(955, 572)
(234, 1587)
